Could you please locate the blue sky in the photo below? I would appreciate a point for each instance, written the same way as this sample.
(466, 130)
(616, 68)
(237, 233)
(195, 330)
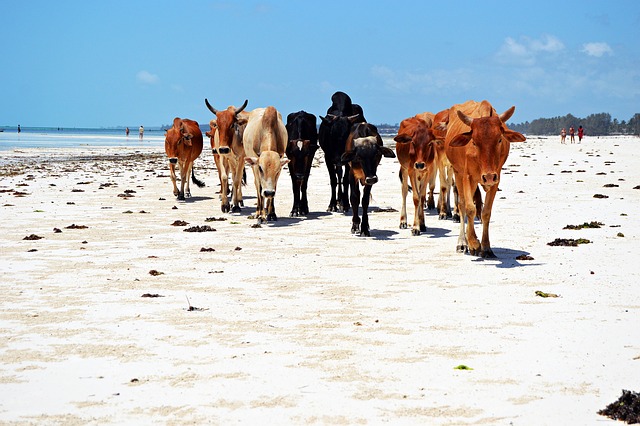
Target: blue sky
(117, 63)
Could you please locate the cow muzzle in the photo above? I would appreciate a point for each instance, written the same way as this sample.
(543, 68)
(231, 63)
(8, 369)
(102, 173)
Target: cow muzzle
(223, 150)
(269, 193)
(173, 160)
(371, 180)
(419, 165)
(490, 179)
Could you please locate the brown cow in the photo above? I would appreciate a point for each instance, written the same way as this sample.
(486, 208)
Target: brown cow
(415, 148)
(477, 164)
(363, 151)
(183, 144)
(265, 141)
(443, 168)
(226, 142)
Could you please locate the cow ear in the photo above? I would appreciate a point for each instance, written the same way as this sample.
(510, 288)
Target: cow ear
(242, 121)
(461, 140)
(387, 152)
(347, 156)
(402, 138)
(512, 136)
(252, 161)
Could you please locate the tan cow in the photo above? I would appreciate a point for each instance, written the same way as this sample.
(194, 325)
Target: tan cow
(226, 143)
(477, 145)
(415, 148)
(265, 142)
(183, 144)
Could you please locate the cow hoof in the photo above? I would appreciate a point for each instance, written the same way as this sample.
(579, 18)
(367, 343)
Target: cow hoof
(415, 232)
(456, 218)
(187, 194)
(272, 217)
(355, 229)
(488, 254)
(236, 209)
(403, 225)
(176, 192)
(332, 209)
(225, 208)
(365, 234)
(461, 249)
(442, 216)
(423, 228)
(181, 197)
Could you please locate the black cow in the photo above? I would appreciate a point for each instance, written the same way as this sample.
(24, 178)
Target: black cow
(334, 131)
(364, 150)
(301, 147)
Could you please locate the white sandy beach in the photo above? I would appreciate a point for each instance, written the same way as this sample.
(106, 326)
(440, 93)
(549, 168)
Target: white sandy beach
(298, 321)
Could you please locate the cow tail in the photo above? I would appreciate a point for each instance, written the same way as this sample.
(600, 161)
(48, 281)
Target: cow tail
(400, 176)
(244, 177)
(195, 180)
(477, 199)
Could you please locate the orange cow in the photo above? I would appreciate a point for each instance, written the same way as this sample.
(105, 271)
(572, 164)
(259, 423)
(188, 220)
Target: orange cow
(183, 144)
(226, 143)
(477, 164)
(415, 148)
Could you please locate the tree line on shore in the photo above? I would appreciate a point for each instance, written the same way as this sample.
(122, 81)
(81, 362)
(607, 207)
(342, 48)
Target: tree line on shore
(595, 125)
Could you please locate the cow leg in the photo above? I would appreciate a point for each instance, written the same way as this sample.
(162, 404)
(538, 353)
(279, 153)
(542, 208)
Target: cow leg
(355, 202)
(304, 203)
(419, 192)
(366, 196)
(187, 184)
(345, 188)
(431, 204)
(334, 183)
(224, 184)
(340, 183)
(485, 246)
(451, 184)
(405, 190)
(172, 173)
(467, 205)
(295, 185)
(443, 199)
(236, 193)
(462, 246)
(182, 178)
(271, 209)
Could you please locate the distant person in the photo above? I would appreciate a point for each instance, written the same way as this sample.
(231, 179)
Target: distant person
(19, 129)
(580, 134)
(563, 136)
(141, 131)
(572, 134)
(126, 131)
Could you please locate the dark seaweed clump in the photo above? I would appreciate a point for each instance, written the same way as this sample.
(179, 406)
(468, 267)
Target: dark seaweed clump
(203, 228)
(568, 242)
(626, 408)
(585, 225)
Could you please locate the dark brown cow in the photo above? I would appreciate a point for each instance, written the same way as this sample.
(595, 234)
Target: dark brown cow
(363, 151)
(415, 148)
(477, 164)
(301, 148)
(226, 141)
(183, 144)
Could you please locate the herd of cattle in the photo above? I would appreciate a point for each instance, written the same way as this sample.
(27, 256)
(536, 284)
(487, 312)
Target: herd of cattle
(465, 145)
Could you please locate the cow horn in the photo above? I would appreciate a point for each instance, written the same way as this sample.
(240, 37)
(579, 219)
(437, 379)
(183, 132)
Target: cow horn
(244, 105)
(212, 109)
(465, 118)
(507, 114)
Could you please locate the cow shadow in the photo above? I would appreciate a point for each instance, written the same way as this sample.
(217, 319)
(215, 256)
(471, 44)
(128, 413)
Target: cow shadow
(195, 199)
(382, 234)
(506, 258)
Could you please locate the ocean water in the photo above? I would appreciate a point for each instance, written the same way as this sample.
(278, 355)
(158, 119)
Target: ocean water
(10, 139)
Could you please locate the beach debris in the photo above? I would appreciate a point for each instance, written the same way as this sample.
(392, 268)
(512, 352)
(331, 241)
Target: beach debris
(77, 190)
(462, 367)
(600, 196)
(620, 234)
(216, 272)
(162, 199)
(610, 185)
(384, 210)
(203, 228)
(568, 242)
(151, 295)
(174, 208)
(204, 249)
(74, 226)
(129, 191)
(215, 219)
(626, 408)
(127, 212)
(524, 257)
(543, 294)
(32, 250)
(84, 183)
(600, 174)
(32, 237)
(592, 224)
(193, 308)
(636, 187)
(57, 230)
(20, 194)
(256, 225)
(71, 203)
(155, 273)
(179, 223)
(237, 248)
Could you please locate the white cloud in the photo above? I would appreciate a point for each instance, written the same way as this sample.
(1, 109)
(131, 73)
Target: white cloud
(596, 49)
(526, 50)
(146, 77)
